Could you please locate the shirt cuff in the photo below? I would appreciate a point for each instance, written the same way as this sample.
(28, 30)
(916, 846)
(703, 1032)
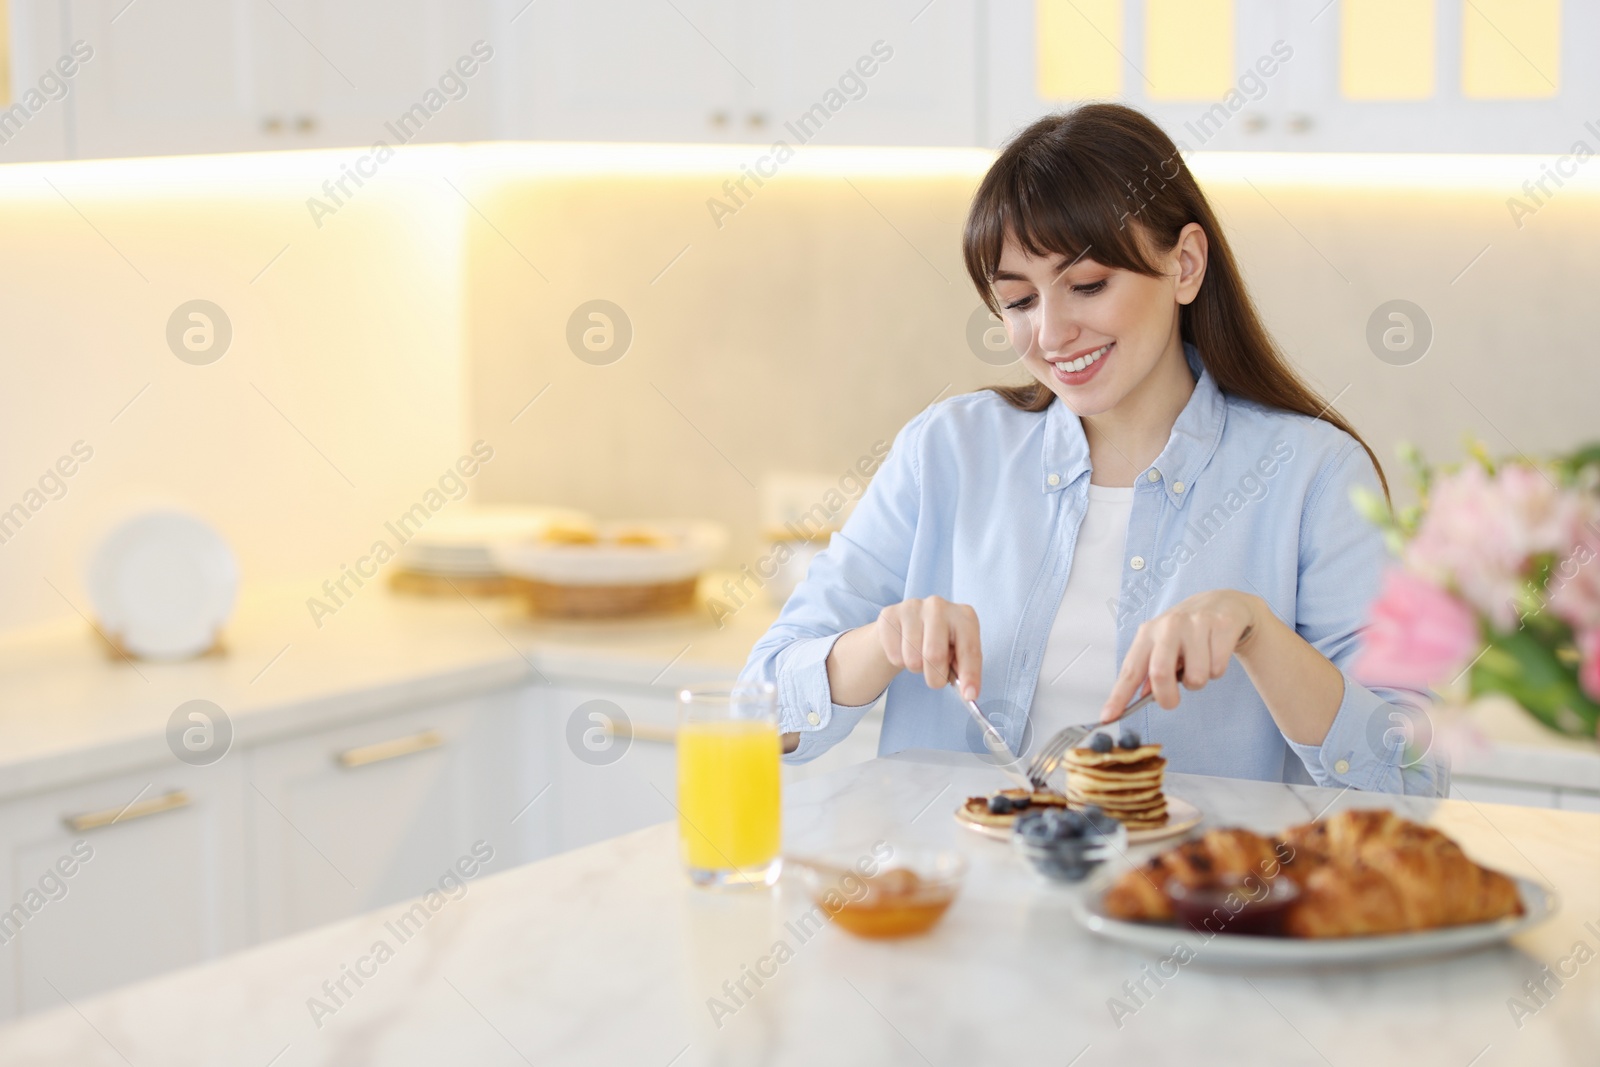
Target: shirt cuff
(805, 700)
(1361, 749)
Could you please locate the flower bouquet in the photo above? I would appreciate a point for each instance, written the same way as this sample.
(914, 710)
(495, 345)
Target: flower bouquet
(1497, 585)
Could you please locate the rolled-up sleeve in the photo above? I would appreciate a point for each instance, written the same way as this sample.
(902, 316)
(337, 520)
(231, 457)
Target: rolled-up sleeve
(1380, 737)
(862, 570)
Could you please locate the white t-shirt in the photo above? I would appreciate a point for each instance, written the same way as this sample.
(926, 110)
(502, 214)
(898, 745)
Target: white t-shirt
(1080, 656)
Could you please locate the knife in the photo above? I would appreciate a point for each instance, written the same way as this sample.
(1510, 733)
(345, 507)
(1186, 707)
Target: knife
(997, 744)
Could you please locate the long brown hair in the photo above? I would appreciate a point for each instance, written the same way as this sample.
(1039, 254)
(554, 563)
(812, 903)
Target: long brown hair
(1069, 184)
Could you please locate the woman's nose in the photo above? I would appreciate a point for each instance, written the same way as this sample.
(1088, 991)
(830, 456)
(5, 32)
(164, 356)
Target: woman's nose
(1056, 330)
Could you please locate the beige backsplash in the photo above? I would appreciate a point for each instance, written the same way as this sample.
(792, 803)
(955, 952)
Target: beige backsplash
(371, 350)
(831, 308)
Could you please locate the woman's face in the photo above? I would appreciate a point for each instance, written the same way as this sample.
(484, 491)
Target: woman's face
(1094, 333)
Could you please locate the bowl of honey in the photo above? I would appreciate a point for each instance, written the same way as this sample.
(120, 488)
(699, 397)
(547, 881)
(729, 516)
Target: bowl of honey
(895, 891)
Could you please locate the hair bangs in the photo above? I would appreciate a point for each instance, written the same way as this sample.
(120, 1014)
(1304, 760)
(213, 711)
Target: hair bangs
(1050, 203)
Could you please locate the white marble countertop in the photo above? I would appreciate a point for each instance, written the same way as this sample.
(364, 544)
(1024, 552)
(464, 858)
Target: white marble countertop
(71, 709)
(605, 955)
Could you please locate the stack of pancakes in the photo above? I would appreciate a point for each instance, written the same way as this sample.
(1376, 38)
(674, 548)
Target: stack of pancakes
(1125, 783)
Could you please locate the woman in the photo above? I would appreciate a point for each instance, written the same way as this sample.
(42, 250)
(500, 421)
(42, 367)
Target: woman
(1166, 505)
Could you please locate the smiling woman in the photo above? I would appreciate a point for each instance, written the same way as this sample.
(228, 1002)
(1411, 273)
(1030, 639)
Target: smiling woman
(1165, 462)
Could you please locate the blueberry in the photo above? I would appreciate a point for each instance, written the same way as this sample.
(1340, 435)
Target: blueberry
(1075, 824)
(1021, 803)
(1000, 804)
(1065, 868)
(1129, 738)
(1091, 811)
(1100, 743)
(1033, 828)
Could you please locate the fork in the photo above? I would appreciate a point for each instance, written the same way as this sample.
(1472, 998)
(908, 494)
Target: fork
(1044, 764)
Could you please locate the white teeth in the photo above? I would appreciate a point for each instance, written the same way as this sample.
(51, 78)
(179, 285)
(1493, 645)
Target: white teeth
(1084, 361)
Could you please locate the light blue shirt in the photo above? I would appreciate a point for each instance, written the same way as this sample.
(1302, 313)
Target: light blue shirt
(980, 503)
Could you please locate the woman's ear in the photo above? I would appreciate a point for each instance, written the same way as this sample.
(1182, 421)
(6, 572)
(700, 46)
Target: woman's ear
(1190, 252)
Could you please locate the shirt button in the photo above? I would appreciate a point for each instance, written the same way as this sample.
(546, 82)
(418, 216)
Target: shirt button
(1154, 475)
(1137, 563)
(1342, 767)
(1177, 487)
(1054, 479)
(813, 718)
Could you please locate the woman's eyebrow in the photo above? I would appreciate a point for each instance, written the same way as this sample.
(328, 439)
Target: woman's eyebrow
(1066, 265)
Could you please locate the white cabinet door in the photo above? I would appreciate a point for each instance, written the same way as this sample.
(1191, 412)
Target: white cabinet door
(616, 763)
(184, 76)
(1296, 100)
(44, 75)
(152, 880)
(630, 71)
(844, 72)
(400, 72)
(616, 759)
(367, 814)
(179, 76)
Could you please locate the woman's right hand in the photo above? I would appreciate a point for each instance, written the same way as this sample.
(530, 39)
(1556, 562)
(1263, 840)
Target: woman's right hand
(935, 637)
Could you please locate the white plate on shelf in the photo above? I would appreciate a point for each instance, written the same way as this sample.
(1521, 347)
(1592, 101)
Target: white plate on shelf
(162, 584)
(1538, 902)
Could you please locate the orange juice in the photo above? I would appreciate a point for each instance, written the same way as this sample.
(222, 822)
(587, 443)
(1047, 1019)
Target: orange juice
(728, 790)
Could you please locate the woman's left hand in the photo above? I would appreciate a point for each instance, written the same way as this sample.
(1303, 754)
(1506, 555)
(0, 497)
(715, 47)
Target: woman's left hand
(1191, 642)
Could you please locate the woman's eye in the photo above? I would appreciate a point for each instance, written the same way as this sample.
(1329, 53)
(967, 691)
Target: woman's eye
(1091, 288)
(1018, 305)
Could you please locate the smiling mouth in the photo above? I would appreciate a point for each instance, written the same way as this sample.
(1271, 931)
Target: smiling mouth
(1073, 370)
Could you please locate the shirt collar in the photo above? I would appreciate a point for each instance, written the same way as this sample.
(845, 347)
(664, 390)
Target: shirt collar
(1194, 440)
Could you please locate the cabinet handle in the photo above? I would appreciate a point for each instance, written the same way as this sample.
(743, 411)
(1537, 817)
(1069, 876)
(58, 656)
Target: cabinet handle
(94, 820)
(661, 735)
(391, 749)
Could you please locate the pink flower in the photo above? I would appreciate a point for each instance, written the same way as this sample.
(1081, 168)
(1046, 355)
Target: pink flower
(1589, 662)
(1480, 531)
(1419, 635)
(1574, 584)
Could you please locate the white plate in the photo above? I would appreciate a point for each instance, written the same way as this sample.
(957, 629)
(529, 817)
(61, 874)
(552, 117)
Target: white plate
(694, 546)
(162, 584)
(1182, 817)
(1538, 903)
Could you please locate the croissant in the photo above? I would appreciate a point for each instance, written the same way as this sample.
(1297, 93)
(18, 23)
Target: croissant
(1360, 872)
(1223, 856)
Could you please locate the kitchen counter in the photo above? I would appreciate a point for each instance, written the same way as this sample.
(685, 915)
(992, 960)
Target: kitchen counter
(71, 709)
(606, 955)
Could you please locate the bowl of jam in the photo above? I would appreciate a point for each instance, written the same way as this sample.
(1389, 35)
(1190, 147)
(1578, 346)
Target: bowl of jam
(901, 896)
(1254, 906)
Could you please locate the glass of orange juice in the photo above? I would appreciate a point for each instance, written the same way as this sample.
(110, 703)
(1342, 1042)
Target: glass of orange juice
(729, 826)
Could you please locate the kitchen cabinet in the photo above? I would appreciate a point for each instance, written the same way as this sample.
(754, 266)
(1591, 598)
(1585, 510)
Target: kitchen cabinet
(615, 760)
(606, 786)
(111, 881)
(34, 124)
(349, 819)
(719, 70)
(180, 76)
(922, 85)
(1304, 103)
